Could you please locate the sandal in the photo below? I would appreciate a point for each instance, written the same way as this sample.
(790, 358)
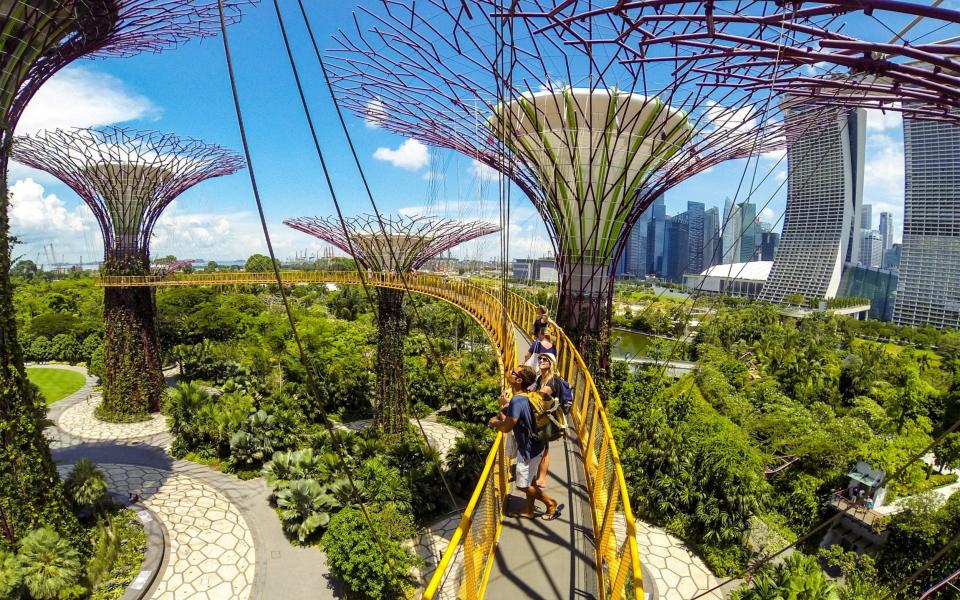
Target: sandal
(552, 514)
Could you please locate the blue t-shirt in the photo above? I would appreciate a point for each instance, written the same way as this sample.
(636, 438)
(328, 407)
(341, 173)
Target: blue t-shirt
(521, 410)
(537, 348)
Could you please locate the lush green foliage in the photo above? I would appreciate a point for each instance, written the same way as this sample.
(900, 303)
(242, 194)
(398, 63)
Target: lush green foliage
(798, 577)
(774, 415)
(372, 565)
(55, 384)
(915, 536)
(86, 485)
(466, 460)
(49, 565)
(123, 539)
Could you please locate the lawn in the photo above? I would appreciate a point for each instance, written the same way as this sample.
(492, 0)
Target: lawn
(55, 384)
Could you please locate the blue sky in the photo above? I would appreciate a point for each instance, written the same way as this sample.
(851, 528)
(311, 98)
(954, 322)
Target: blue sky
(186, 91)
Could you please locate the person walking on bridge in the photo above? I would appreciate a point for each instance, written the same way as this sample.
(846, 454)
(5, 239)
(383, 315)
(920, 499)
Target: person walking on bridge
(516, 415)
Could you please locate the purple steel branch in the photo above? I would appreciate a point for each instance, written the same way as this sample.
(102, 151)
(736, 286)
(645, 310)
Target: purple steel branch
(57, 33)
(748, 40)
(410, 241)
(126, 177)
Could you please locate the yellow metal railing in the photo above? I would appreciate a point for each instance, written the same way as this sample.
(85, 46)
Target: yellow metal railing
(465, 567)
(615, 531)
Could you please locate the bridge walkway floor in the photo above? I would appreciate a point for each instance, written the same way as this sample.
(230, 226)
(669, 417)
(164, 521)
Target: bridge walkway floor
(549, 559)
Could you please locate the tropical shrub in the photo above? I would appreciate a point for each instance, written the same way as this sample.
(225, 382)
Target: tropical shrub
(419, 466)
(372, 565)
(10, 575)
(66, 348)
(472, 401)
(305, 506)
(466, 459)
(86, 485)
(798, 577)
(40, 349)
(256, 441)
(50, 565)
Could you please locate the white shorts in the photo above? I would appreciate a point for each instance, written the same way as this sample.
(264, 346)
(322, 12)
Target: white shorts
(527, 470)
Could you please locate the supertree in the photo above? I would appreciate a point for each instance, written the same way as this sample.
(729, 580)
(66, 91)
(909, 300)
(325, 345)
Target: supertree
(127, 178)
(592, 138)
(396, 246)
(37, 39)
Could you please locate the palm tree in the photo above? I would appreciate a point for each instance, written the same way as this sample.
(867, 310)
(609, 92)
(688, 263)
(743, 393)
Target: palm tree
(305, 506)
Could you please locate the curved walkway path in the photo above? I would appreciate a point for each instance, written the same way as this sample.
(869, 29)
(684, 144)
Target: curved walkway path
(224, 540)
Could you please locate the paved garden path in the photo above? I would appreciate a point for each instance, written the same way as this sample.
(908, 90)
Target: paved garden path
(223, 539)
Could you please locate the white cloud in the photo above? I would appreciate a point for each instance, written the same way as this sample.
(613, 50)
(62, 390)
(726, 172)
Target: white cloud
(734, 119)
(780, 175)
(83, 97)
(375, 113)
(883, 185)
(878, 120)
(434, 176)
(482, 171)
(411, 155)
(34, 212)
(767, 215)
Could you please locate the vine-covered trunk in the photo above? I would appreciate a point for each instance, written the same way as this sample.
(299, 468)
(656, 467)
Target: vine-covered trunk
(133, 369)
(31, 494)
(390, 413)
(584, 309)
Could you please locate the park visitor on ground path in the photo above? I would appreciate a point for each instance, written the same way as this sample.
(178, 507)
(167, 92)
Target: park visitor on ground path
(516, 415)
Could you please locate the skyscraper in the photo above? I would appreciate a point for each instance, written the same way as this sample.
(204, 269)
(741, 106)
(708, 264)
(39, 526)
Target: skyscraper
(886, 230)
(656, 234)
(695, 222)
(769, 241)
(676, 248)
(824, 191)
(871, 248)
(929, 288)
(866, 217)
(748, 231)
(712, 246)
(730, 231)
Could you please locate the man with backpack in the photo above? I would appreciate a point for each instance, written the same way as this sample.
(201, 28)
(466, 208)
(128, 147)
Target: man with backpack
(518, 415)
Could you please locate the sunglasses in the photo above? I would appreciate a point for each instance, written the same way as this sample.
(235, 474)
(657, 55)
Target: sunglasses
(543, 359)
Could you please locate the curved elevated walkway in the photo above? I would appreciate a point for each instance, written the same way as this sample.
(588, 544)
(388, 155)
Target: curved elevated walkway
(580, 555)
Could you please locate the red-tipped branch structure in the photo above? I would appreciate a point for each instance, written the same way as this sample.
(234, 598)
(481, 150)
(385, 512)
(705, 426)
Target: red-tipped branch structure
(127, 178)
(37, 39)
(395, 245)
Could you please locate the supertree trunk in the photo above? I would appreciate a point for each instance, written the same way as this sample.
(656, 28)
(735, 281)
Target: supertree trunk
(584, 310)
(133, 374)
(31, 494)
(390, 413)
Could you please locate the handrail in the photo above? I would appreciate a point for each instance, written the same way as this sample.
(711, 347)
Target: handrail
(464, 569)
(615, 532)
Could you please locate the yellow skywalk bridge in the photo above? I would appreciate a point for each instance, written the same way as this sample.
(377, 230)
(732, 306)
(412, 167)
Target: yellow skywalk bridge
(591, 552)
